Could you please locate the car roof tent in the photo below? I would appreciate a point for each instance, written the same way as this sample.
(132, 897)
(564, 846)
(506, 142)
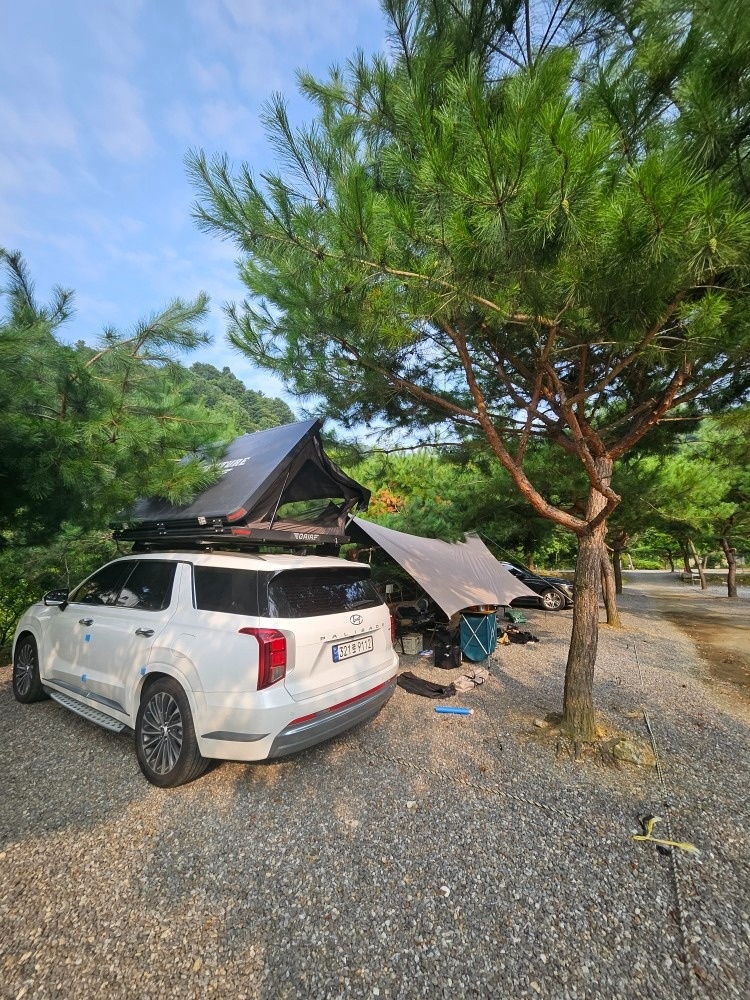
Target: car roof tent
(456, 575)
(262, 473)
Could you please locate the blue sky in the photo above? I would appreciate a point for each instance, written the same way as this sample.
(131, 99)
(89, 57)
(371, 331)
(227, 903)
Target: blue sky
(100, 100)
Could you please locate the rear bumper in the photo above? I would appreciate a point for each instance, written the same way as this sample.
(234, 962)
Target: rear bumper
(332, 721)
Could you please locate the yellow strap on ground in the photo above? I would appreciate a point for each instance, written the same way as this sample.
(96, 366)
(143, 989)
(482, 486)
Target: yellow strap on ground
(650, 823)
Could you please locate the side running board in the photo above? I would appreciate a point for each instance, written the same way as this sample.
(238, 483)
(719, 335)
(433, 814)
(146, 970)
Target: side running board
(87, 711)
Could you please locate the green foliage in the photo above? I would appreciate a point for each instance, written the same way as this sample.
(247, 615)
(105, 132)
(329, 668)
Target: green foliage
(28, 572)
(548, 239)
(249, 409)
(644, 562)
(698, 491)
(86, 431)
(445, 496)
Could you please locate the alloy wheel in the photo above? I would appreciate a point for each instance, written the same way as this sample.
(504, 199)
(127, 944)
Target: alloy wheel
(552, 600)
(161, 732)
(25, 666)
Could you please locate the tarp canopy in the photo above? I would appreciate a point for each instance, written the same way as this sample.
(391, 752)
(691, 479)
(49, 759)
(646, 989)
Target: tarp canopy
(262, 472)
(456, 575)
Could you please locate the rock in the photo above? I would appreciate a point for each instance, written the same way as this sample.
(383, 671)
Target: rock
(541, 723)
(630, 752)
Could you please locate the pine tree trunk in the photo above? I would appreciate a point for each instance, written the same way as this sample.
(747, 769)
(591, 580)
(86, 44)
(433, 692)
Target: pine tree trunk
(685, 558)
(670, 560)
(617, 567)
(698, 565)
(610, 591)
(730, 553)
(578, 700)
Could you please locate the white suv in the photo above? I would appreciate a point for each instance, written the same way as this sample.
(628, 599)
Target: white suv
(229, 655)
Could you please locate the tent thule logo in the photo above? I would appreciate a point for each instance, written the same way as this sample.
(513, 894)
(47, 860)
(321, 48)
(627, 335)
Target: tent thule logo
(234, 463)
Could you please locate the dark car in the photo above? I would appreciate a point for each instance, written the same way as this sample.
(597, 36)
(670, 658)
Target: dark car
(554, 592)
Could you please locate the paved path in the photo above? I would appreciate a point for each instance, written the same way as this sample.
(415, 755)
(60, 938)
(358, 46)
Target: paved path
(720, 627)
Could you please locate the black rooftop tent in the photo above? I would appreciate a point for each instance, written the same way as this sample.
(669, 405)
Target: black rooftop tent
(262, 472)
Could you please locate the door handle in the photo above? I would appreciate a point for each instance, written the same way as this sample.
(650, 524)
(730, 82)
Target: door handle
(144, 631)
(85, 621)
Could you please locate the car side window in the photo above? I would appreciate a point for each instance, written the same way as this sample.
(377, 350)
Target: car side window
(233, 591)
(103, 587)
(149, 586)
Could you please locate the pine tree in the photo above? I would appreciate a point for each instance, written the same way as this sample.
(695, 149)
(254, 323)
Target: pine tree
(85, 431)
(511, 228)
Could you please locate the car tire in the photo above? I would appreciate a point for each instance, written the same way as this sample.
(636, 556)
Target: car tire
(27, 683)
(552, 600)
(165, 740)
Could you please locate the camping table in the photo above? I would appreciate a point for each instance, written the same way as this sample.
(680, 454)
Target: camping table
(478, 634)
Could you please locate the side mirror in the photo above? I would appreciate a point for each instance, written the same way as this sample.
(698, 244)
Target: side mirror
(56, 599)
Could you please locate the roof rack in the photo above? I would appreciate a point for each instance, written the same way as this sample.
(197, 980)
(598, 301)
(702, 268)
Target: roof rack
(160, 537)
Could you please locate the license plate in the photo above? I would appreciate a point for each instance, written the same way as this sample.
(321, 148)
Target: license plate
(345, 650)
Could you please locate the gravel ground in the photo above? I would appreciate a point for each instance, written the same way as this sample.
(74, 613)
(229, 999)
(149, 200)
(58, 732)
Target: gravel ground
(419, 855)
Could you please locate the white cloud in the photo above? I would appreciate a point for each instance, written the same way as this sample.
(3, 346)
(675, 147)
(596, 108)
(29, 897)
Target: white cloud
(219, 121)
(108, 227)
(221, 118)
(30, 172)
(209, 76)
(180, 122)
(114, 28)
(268, 42)
(308, 26)
(119, 121)
(36, 125)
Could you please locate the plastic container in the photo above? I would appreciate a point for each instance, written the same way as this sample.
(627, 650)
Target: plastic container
(412, 643)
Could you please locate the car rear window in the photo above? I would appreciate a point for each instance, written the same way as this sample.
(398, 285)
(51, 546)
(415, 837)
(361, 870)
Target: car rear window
(315, 592)
(234, 591)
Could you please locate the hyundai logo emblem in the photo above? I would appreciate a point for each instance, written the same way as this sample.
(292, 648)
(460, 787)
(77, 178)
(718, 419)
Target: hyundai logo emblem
(356, 619)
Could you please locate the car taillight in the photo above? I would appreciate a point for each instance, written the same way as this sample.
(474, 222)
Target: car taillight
(393, 630)
(271, 655)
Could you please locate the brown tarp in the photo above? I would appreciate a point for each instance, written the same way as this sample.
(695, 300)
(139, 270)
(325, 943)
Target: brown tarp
(456, 575)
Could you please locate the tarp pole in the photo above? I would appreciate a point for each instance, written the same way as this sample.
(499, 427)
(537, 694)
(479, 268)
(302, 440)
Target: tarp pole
(281, 494)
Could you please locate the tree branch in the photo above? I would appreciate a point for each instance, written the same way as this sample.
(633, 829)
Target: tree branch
(524, 485)
(658, 411)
